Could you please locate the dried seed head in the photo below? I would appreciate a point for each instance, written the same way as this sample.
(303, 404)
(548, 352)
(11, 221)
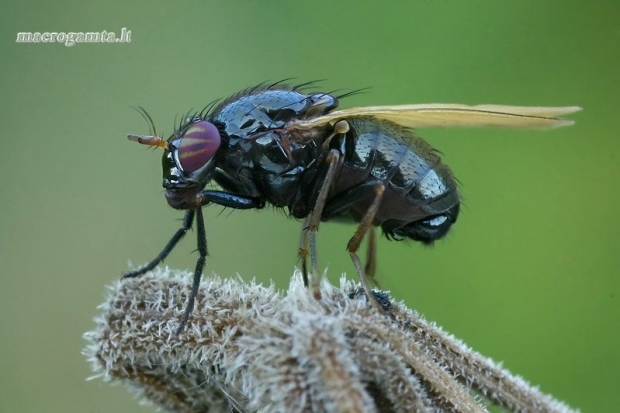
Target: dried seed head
(249, 348)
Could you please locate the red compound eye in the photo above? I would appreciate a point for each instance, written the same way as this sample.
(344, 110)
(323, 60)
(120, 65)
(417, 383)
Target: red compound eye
(198, 146)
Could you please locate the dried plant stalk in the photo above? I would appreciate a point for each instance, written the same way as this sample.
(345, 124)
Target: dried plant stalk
(248, 348)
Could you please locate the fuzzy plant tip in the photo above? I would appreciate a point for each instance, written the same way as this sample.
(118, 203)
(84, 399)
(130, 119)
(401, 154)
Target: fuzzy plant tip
(250, 348)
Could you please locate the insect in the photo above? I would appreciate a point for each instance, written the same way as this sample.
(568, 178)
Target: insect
(278, 145)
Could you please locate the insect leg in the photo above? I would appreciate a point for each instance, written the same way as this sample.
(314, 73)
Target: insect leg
(343, 202)
(202, 250)
(371, 257)
(228, 199)
(355, 241)
(187, 224)
(303, 250)
(308, 234)
(311, 223)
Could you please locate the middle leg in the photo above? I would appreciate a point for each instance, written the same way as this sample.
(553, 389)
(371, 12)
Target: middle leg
(307, 244)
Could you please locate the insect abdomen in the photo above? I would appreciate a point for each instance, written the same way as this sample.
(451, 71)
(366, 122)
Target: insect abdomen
(418, 185)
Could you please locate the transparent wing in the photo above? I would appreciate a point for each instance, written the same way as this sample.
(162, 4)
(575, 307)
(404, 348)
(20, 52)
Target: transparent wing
(455, 115)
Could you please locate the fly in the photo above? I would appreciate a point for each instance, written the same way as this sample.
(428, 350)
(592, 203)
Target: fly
(278, 145)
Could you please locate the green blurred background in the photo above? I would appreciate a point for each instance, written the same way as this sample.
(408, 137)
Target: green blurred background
(529, 275)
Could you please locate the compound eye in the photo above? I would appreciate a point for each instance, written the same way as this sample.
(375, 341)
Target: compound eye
(198, 146)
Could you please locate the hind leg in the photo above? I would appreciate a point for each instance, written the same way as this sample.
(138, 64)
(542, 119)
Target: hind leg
(371, 257)
(343, 202)
(357, 238)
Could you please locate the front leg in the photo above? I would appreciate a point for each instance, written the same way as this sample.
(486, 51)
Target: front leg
(206, 197)
(203, 198)
(201, 241)
(229, 199)
(187, 224)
